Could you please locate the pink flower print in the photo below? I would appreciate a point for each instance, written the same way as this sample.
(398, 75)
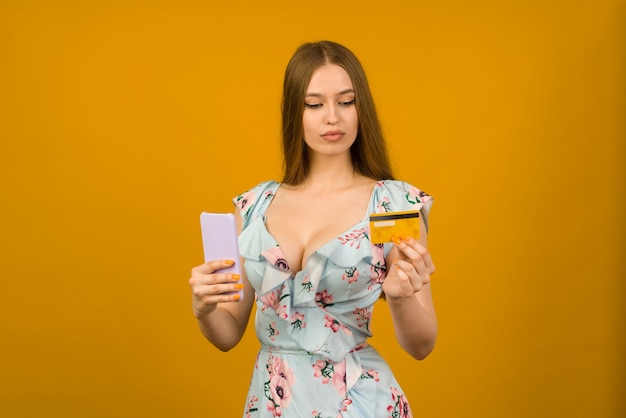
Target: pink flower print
(251, 407)
(298, 321)
(335, 325)
(280, 384)
(401, 407)
(378, 267)
(395, 394)
(306, 283)
(415, 195)
(351, 275)
(405, 410)
(331, 323)
(244, 200)
(378, 255)
(269, 194)
(353, 239)
(274, 409)
(272, 332)
(281, 311)
(324, 299)
(276, 257)
(256, 361)
(362, 316)
(384, 205)
(323, 369)
(339, 377)
(270, 300)
(345, 404)
(370, 374)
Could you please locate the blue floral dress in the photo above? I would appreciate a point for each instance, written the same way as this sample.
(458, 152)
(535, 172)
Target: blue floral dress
(313, 325)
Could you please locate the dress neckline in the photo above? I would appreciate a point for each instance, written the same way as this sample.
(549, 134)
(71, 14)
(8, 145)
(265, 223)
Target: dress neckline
(334, 239)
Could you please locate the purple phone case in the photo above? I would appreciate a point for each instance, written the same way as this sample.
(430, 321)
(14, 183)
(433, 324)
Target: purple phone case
(219, 241)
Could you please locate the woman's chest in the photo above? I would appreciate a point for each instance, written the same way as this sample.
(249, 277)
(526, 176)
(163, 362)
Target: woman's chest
(302, 227)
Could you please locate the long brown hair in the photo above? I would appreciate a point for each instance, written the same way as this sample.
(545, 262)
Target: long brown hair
(369, 152)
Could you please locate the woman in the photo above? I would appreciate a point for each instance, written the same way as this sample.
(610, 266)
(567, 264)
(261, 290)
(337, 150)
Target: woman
(309, 261)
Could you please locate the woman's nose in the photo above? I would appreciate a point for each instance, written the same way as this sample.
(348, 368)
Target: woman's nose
(331, 116)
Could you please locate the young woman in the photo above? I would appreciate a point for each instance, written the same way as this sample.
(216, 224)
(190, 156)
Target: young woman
(309, 263)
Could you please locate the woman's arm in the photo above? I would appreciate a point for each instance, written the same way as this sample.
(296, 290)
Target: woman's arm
(408, 293)
(221, 317)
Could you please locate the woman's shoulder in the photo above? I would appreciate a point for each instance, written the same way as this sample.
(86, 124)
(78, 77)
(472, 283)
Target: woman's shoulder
(254, 199)
(398, 195)
(259, 188)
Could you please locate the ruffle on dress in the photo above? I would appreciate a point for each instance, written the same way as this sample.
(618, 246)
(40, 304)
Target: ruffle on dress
(296, 296)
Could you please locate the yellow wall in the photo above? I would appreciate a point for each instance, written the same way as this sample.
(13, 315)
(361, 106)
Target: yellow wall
(121, 121)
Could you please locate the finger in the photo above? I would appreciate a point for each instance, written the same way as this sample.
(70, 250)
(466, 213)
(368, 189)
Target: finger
(221, 298)
(212, 266)
(417, 276)
(414, 250)
(410, 254)
(423, 251)
(402, 270)
(404, 245)
(201, 292)
(393, 256)
(402, 281)
(213, 279)
(209, 303)
(414, 277)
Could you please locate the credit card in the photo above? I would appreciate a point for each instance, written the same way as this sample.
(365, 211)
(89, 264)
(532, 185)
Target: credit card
(385, 227)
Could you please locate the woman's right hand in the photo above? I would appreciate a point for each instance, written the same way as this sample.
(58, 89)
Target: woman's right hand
(210, 287)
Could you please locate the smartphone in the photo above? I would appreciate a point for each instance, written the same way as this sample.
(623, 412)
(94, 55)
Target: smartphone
(219, 241)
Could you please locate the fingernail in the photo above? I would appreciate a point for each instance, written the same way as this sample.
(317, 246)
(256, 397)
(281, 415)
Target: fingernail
(236, 297)
(235, 277)
(239, 286)
(406, 238)
(229, 262)
(396, 240)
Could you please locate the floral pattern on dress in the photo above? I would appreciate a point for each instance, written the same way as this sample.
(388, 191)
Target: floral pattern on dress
(313, 325)
(400, 408)
(324, 299)
(362, 317)
(297, 321)
(331, 372)
(414, 196)
(245, 201)
(377, 266)
(354, 238)
(351, 275)
(276, 257)
(335, 325)
(370, 374)
(278, 387)
(273, 300)
(251, 406)
(272, 332)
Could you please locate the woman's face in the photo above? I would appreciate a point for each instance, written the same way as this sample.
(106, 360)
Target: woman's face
(330, 120)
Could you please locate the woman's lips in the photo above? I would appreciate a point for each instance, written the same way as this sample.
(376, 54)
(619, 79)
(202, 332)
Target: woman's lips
(333, 135)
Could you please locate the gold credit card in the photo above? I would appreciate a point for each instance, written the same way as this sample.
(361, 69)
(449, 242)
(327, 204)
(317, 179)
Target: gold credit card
(388, 226)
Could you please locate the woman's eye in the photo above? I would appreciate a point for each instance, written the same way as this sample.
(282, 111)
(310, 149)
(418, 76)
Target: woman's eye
(349, 103)
(313, 105)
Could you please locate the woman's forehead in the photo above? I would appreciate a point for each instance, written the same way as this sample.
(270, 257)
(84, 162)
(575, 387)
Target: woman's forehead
(329, 79)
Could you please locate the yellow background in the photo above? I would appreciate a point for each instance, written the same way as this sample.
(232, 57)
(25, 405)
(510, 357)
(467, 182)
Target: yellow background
(120, 121)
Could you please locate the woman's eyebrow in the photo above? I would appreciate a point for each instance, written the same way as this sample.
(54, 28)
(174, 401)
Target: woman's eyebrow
(341, 93)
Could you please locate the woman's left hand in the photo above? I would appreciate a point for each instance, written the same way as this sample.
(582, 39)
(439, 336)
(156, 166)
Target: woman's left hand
(409, 268)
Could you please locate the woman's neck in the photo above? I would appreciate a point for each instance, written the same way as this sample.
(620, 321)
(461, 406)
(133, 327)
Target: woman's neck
(327, 174)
